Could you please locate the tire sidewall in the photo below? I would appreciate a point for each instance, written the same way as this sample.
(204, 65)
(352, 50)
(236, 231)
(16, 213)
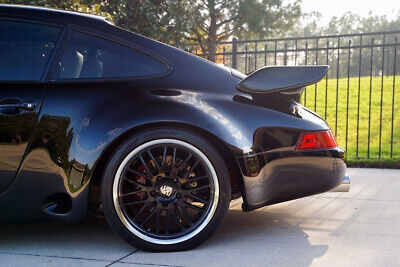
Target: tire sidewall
(165, 133)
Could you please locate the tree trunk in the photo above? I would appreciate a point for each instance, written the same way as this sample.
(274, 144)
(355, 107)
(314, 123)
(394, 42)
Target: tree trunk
(212, 32)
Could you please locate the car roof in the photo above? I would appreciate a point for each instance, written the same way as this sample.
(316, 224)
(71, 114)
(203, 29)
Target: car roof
(50, 15)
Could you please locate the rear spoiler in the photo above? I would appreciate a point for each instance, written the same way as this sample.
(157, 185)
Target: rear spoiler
(287, 80)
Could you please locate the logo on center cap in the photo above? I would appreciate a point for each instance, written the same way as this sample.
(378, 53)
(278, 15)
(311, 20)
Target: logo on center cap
(166, 190)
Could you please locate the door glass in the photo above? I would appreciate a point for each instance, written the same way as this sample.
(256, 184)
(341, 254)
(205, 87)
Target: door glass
(25, 49)
(88, 56)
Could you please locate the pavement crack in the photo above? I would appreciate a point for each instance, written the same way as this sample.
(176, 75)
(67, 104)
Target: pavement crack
(51, 256)
(151, 264)
(355, 198)
(122, 258)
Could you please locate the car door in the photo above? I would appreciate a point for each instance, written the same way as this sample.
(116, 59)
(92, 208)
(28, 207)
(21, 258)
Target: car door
(25, 52)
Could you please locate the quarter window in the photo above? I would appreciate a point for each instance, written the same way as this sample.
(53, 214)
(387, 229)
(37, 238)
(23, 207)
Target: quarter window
(25, 49)
(88, 56)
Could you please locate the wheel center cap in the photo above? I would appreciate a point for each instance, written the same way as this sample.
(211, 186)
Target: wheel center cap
(166, 190)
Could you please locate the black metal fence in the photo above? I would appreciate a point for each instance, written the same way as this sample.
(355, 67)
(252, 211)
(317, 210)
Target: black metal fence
(360, 96)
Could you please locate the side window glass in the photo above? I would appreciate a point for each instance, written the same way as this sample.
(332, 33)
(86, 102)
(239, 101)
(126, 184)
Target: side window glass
(25, 49)
(88, 56)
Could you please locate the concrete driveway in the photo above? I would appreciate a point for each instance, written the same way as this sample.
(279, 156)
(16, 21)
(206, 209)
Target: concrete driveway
(360, 228)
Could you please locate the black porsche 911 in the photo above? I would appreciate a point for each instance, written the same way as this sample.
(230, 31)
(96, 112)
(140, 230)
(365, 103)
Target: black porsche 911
(97, 118)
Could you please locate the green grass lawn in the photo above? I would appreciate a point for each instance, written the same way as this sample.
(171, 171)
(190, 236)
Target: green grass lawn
(364, 117)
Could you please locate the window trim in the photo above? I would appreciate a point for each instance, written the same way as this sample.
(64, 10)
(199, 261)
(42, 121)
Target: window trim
(49, 63)
(111, 38)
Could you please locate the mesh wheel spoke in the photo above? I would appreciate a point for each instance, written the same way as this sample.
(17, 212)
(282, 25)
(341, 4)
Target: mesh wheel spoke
(158, 214)
(135, 182)
(141, 210)
(177, 219)
(132, 193)
(196, 188)
(144, 175)
(184, 162)
(164, 159)
(190, 170)
(193, 207)
(135, 202)
(187, 216)
(187, 181)
(168, 222)
(173, 162)
(196, 198)
(149, 216)
(146, 167)
(154, 160)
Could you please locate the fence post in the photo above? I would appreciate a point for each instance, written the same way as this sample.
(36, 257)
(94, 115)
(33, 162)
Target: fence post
(394, 87)
(234, 52)
(285, 55)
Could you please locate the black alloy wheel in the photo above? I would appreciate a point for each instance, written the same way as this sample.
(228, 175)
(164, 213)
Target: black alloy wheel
(165, 192)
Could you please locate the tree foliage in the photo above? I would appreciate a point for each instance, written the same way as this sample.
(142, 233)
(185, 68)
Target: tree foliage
(200, 21)
(203, 20)
(349, 22)
(219, 20)
(163, 20)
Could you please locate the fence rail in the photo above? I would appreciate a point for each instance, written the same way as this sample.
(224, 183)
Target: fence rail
(360, 96)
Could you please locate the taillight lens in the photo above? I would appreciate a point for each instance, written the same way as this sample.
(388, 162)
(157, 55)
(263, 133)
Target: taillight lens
(316, 140)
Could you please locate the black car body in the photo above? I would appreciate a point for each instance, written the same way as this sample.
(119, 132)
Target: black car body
(59, 126)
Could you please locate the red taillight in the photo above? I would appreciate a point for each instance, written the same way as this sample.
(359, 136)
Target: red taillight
(316, 140)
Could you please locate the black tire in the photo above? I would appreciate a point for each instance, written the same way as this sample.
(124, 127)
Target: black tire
(163, 195)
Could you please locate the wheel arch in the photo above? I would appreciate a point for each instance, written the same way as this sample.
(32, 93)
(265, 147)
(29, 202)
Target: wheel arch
(227, 152)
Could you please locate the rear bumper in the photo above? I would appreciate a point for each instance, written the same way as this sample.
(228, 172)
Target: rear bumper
(275, 177)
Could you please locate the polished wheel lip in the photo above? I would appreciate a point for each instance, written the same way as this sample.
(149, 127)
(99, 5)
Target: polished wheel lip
(147, 238)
